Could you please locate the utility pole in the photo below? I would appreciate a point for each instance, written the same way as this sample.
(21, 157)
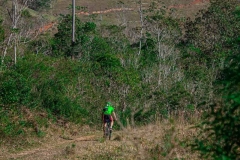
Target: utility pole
(142, 25)
(73, 27)
(14, 16)
(73, 21)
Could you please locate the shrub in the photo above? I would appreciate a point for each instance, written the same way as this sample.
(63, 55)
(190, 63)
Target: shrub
(14, 88)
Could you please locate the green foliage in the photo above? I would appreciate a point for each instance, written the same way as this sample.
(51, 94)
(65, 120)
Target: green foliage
(164, 25)
(220, 137)
(99, 46)
(220, 134)
(14, 88)
(25, 13)
(217, 21)
(51, 86)
(39, 4)
(2, 36)
(106, 62)
(105, 65)
(149, 53)
(62, 42)
(9, 127)
(34, 82)
(130, 77)
(89, 27)
(40, 46)
(207, 42)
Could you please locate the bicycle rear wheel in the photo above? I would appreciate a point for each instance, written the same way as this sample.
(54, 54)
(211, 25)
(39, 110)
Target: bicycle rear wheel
(108, 131)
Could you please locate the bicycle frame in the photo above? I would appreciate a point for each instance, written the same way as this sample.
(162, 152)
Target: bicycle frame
(108, 132)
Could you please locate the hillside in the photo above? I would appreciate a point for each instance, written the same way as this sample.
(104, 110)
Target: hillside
(125, 12)
(189, 7)
(171, 76)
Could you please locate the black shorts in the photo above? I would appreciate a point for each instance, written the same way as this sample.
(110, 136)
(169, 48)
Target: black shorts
(107, 118)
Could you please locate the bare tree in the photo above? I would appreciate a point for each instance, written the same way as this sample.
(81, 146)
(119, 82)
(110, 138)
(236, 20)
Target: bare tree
(15, 15)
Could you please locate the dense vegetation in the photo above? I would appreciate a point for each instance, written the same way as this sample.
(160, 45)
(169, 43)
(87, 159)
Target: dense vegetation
(219, 137)
(160, 74)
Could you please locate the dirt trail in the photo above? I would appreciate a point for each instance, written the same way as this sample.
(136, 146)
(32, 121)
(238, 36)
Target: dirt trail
(131, 144)
(84, 147)
(48, 150)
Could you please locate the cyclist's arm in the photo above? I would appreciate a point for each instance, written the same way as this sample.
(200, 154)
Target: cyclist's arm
(114, 115)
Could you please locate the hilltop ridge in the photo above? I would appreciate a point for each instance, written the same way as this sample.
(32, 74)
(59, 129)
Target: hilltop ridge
(194, 5)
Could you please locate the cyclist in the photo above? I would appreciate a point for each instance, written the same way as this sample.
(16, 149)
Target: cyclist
(107, 115)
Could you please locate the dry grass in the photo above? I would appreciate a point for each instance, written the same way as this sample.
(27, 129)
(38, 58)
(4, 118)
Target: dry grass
(107, 12)
(187, 8)
(164, 140)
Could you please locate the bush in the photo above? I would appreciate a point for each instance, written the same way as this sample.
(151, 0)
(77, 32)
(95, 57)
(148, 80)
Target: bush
(62, 42)
(14, 88)
(39, 4)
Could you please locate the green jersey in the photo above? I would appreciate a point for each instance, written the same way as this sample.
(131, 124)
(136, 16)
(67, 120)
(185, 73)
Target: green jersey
(108, 110)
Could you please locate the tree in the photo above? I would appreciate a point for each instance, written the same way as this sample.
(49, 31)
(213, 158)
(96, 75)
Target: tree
(39, 4)
(205, 46)
(220, 130)
(62, 41)
(206, 35)
(15, 15)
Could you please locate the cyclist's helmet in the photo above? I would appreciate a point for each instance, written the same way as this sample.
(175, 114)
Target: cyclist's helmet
(109, 104)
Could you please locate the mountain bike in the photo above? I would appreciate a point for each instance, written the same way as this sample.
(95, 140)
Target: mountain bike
(108, 131)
